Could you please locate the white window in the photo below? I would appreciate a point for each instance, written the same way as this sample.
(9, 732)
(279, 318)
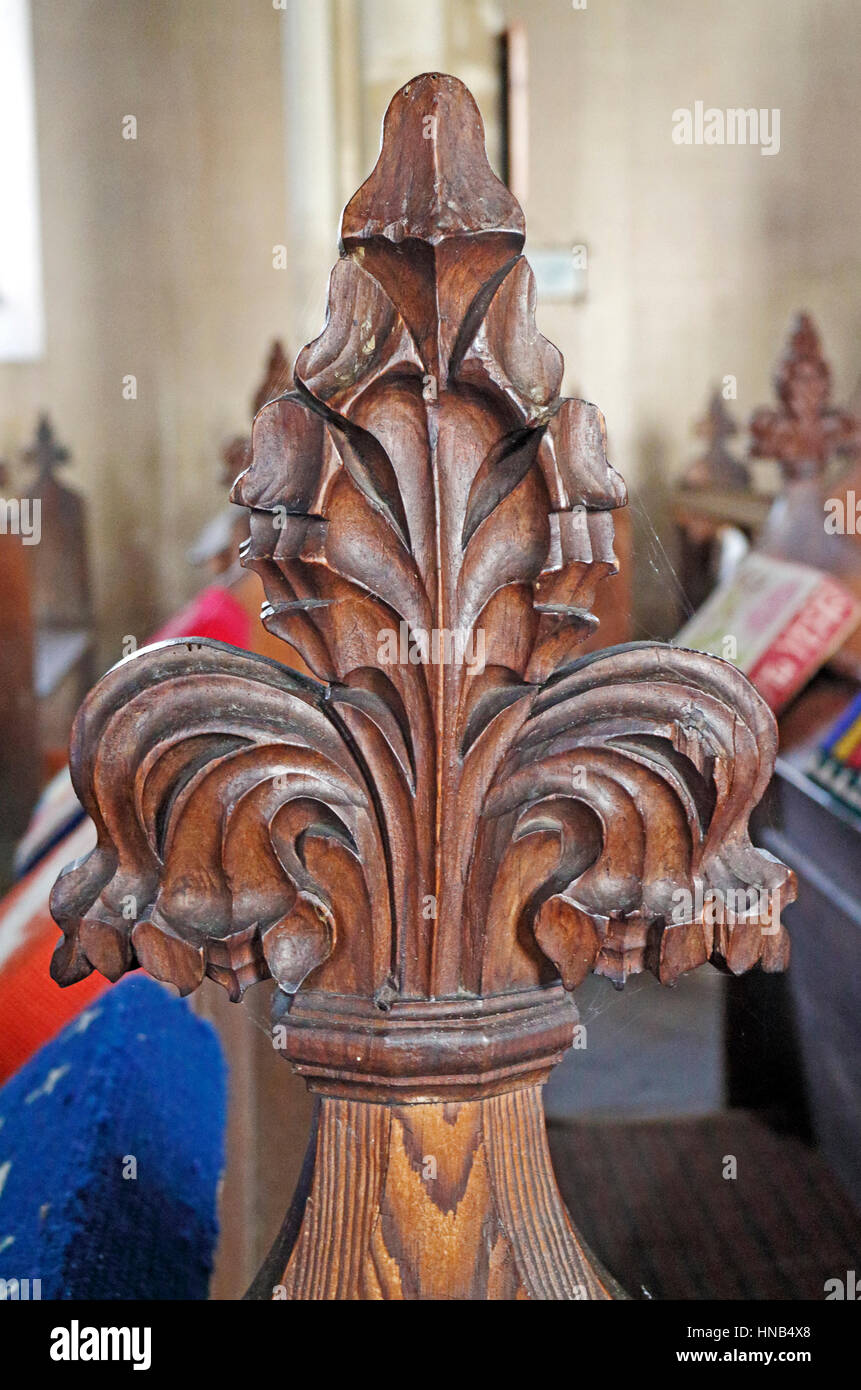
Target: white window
(21, 319)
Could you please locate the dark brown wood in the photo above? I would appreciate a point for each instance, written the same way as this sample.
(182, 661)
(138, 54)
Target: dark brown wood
(62, 604)
(716, 467)
(19, 763)
(804, 434)
(269, 1106)
(277, 378)
(440, 1206)
(707, 501)
(805, 431)
(217, 545)
(427, 853)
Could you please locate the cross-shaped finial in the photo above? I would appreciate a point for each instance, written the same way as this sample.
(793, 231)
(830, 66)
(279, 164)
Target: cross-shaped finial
(852, 449)
(45, 452)
(805, 431)
(717, 467)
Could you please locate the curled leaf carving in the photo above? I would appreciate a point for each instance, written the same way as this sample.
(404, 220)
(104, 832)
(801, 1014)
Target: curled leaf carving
(455, 805)
(236, 835)
(621, 812)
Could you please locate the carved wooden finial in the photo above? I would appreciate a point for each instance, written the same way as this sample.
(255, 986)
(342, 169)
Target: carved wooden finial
(61, 587)
(432, 843)
(717, 466)
(45, 453)
(277, 378)
(805, 431)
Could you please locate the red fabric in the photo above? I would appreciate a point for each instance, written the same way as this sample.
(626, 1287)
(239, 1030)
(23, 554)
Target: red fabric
(32, 1007)
(214, 613)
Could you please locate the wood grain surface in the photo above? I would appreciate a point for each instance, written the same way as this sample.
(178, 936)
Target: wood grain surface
(431, 842)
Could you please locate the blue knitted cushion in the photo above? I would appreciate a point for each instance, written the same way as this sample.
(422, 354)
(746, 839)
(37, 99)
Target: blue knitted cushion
(111, 1148)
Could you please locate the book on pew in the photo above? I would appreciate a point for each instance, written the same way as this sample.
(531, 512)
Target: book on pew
(777, 621)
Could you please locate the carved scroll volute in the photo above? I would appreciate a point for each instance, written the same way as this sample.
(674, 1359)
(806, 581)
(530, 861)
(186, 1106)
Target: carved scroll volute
(432, 843)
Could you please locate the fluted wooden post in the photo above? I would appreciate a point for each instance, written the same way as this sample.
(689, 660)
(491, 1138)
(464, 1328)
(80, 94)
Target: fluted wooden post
(432, 844)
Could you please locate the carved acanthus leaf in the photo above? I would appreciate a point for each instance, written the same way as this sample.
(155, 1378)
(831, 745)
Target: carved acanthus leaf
(623, 803)
(430, 519)
(236, 837)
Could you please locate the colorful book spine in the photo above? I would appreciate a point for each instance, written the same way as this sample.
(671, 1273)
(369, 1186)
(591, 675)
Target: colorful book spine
(836, 764)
